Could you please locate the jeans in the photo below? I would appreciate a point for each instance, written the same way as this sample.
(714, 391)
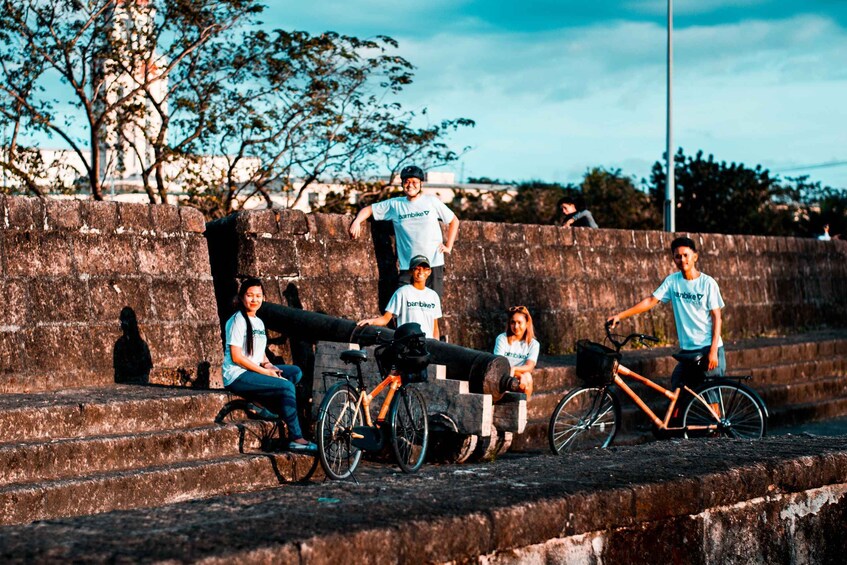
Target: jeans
(274, 393)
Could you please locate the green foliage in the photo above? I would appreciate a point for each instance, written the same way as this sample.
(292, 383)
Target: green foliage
(532, 202)
(725, 198)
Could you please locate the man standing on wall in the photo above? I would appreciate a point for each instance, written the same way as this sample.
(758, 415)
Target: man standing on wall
(415, 217)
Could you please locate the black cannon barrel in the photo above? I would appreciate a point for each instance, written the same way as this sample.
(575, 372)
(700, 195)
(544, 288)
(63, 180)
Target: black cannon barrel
(487, 373)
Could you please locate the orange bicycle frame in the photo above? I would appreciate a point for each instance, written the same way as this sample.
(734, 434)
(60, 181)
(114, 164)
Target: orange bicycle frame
(622, 371)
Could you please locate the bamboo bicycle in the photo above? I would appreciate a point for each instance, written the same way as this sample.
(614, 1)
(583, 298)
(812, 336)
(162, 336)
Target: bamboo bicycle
(590, 415)
(345, 427)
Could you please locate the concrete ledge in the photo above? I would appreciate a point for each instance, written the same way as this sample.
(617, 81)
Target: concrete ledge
(729, 501)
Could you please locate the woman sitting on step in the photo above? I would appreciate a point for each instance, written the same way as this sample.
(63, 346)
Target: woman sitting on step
(247, 371)
(519, 346)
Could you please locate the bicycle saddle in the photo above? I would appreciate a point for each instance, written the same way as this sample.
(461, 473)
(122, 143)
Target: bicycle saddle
(692, 358)
(354, 356)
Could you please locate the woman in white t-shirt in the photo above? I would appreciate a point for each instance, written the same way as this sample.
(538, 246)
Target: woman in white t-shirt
(247, 371)
(519, 346)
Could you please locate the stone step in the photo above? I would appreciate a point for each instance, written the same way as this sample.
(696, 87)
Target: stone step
(796, 371)
(818, 389)
(67, 458)
(808, 412)
(113, 410)
(152, 486)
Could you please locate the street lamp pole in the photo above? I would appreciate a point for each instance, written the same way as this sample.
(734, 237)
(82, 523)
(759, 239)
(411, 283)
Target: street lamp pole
(670, 185)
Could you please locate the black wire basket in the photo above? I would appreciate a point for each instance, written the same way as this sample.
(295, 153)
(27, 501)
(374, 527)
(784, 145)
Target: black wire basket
(595, 363)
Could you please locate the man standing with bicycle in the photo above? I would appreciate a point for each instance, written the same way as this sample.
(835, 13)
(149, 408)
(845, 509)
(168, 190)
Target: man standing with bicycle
(697, 303)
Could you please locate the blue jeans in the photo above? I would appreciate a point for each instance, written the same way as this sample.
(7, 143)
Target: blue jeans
(678, 375)
(275, 394)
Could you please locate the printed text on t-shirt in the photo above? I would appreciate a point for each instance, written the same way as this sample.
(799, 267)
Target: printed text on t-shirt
(419, 304)
(413, 215)
(688, 296)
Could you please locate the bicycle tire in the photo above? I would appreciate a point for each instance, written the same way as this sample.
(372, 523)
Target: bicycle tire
(256, 431)
(337, 416)
(409, 429)
(585, 418)
(742, 416)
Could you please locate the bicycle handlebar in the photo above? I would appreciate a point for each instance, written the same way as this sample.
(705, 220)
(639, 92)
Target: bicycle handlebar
(620, 344)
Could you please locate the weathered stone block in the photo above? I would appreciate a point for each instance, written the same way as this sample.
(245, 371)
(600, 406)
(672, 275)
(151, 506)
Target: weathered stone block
(270, 257)
(159, 256)
(332, 226)
(135, 217)
(103, 255)
(63, 214)
(110, 295)
(99, 216)
(608, 508)
(166, 218)
(526, 524)
(33, 254)
(449, 538)
(11, 358)
(169, 298)
(191, 220)
(201, 304)
(25, 213)
(59, 299)
(16, 302)
(258, 222)
(293, 222)
(347, 259)
(56, 348)
(196, 257)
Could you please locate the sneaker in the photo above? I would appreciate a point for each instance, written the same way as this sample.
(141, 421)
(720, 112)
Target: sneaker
(302, 447)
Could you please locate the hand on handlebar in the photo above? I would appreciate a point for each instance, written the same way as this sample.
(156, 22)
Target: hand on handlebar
(613, 321)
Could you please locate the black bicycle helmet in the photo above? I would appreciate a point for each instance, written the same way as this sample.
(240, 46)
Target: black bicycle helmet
(407, 353)
(412, 172)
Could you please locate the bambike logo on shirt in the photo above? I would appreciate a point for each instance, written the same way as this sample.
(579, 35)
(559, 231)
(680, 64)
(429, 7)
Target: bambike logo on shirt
(410, 215)
(516, 355)
(689, 296)
(420, 304)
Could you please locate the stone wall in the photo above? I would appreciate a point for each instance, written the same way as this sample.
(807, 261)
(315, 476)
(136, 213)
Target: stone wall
(68, 268)
(570, 279)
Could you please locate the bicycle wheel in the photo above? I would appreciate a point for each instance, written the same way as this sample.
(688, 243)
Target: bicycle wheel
(741, 416)
(409, 429)
(336, 419)
(587, 417)
(257, 426)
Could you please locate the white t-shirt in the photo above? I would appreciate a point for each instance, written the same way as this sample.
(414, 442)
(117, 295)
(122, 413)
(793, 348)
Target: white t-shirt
(409, 304)
(236, 330)
(692, 301)
(518, 352)
(416, 226)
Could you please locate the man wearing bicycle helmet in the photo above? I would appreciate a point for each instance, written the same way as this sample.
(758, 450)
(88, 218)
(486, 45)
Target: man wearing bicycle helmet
(696, 300)
(413, 302)
(415, 217)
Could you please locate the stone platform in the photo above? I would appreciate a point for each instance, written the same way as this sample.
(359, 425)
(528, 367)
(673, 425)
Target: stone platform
(778, 500)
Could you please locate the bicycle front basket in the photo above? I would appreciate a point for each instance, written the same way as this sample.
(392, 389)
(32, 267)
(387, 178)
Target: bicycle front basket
(595, 363)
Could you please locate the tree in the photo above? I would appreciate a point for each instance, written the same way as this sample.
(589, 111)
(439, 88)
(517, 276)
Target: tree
(531, 202)
(300, 108)
(725, 198)
(109, 55)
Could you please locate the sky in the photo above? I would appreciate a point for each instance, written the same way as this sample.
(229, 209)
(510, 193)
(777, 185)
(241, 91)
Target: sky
(560, 86)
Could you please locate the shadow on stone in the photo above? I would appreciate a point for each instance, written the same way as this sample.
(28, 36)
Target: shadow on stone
(131, 355)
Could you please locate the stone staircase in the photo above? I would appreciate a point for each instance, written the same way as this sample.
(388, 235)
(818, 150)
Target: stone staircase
(801, 378)
(87, 451)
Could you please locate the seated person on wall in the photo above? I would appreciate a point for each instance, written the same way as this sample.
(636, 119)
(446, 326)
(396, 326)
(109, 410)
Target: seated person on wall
(413, 302)
(519, 346)
(247, 371)
(570, 218)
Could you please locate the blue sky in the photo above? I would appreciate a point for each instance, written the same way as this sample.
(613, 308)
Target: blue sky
(557, 86)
